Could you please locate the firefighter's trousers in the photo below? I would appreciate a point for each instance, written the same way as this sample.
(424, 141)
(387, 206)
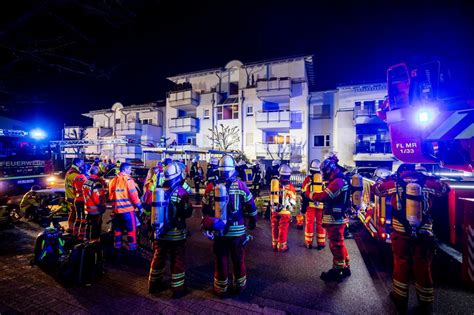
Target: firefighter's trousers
(233, 248)
(125, 222)
(280, 225)
(80, 222)
(419, 251)
(314, 214)
(72, 214)
(93, 227)
(337, 246)
(176, 252)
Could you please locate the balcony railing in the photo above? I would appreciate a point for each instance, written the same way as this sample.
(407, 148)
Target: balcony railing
(128, 128)
(275, 90)
(184, 100)
(280, 119)
(377, 147)
(187, 124)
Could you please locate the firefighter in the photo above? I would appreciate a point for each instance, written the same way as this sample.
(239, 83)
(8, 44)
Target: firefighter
(30, 203)
(313, 211)
(95, 204)
(282, 202)
(257, 179)
(170, 235)
(123, 195)
(411, 195)
(184, 183)
(80, 222)
(76, 169)
(336, 204)
(212, 173)
(152, 181)
(197, 175)
(226, 221)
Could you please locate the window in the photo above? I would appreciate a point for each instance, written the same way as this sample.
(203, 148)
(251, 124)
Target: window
(275, 138)
(206, 114)
(321, 141)
(249, 110)
(147, 121)
(117, 120)
(321, 111)
(228, 112)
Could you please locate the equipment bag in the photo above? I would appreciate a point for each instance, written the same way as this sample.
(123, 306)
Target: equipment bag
(49, 246)
(83, 265)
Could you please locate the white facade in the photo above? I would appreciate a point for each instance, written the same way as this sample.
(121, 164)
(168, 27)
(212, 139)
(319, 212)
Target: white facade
(139, 125)
(267, 102)
(352, 130)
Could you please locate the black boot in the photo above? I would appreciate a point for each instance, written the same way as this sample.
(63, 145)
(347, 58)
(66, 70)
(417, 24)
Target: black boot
(400, 304)
(308, 246)
(333, 275)
(320, 247)
(346, 272)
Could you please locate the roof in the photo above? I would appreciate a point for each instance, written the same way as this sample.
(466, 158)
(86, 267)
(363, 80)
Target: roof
(308, 59)
(134, 107)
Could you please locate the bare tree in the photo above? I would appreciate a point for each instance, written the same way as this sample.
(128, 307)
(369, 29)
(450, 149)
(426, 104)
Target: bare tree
(225, 137)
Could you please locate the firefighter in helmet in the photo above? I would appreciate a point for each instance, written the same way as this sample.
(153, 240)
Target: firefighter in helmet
(313, 210)
(282, 202)
(232, 199)
(94, 204)
(79, 229)
(336, 204)
(411, 195)
(170, 209)
(212, 173)
(75, 170)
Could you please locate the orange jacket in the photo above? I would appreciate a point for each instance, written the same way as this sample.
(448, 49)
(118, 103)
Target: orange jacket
(77, 184)
(123, 194)
(70, 175)
(94, 195)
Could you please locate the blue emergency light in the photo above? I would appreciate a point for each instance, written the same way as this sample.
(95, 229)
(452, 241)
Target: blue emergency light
(38, 134)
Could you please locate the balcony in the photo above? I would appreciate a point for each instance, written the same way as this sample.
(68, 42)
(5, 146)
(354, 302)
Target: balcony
(186, 100)
(184, 125)
(272, 151)
(366, 116)
(279, 120)
(128, 129)
(128, 152)
(375, 150)
(275, 90)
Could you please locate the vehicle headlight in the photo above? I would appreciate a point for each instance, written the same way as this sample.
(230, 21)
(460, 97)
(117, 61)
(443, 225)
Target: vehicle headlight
(51, 179)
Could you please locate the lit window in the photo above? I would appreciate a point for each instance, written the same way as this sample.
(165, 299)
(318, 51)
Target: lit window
(227, 112)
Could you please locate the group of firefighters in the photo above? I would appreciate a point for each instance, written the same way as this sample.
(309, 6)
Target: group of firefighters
(227, 200)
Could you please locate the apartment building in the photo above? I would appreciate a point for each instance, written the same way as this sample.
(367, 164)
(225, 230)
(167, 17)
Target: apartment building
(267, 103)
(345, 121)
(119, 132)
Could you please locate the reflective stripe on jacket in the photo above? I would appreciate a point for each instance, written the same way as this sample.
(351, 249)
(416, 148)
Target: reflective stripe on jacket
(77, 184)
(123, 194)
(94, 195)
(69, 178)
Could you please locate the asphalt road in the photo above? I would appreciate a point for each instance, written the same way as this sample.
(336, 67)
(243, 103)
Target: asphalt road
(277, 282)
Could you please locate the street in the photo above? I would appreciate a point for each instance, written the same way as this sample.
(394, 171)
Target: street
(278, 283)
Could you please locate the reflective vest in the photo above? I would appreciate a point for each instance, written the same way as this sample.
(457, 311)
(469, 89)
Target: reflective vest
(338, 203)
(70, 175)
(77, 184)
(94, 195)
(123, 194)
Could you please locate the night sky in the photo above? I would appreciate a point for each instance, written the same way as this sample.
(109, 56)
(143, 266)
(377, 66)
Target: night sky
(59, 59)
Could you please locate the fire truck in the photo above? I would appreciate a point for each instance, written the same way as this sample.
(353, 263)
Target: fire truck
(430, 125)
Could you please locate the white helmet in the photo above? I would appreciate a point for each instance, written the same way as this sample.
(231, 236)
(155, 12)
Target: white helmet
(285, 172)
(314, 167)
(214, 161)
(172, 174)
(226, 166)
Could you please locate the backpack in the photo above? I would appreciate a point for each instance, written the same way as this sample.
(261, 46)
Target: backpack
(49, 247)
(83, 265)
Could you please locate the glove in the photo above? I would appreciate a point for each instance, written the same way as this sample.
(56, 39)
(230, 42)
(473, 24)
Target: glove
(252, 223)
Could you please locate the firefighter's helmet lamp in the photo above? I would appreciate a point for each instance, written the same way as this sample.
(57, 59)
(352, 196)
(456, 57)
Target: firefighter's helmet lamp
(226, 167)
(285, 172)
(172, 174)
(314, 167)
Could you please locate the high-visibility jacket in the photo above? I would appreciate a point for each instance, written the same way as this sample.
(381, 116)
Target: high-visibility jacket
(94, 195)
(77, 184)
(431, 188)
(123, 194)
(336, 199)
(70, 175)
(287, 198)
(29, 200)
